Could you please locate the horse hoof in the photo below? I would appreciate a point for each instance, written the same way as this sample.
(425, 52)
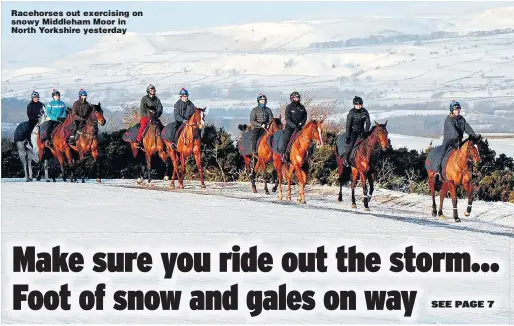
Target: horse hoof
(98, 180)
(457, 220)
(442, 217)
(366, 209)
(339, 199)
(434, 214)
(354, 205)
(166, 178)
(466, 214)
(202, 186)
(83, 181)
(139, 181)
(279, 197)
(49, 180)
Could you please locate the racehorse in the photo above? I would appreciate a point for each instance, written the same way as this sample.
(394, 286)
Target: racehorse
(60, 148)
(87, 140)
(364, 150)
(188, 142)
(298, 158)
(152, 143)
(264, 156)
(457, 171)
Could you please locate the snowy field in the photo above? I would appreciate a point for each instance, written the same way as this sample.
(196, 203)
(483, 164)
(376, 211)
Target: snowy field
(118, 215)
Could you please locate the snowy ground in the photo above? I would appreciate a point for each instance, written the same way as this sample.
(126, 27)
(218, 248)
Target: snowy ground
(118, 215)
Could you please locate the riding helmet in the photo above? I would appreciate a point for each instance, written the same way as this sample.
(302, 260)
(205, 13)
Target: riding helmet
(295, 94)
(149, 87)
(262, 97)
(183, 91)
(454, 104)
(82, 92)
(55, 92)
(34, 94)
(357, 100)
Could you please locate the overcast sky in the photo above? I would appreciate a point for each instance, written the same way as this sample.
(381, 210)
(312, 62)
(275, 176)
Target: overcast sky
(19, 50)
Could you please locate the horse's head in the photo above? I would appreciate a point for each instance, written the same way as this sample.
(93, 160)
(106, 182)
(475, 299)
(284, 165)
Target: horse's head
(379, 133)
(471, 150)
(99, 114)
(313, 130)
(198, 118)
(276, 124)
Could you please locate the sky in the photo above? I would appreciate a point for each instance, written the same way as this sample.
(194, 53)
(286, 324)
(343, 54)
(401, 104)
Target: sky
(21, 50)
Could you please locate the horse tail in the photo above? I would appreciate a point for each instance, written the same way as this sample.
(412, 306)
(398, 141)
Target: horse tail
(344, 172)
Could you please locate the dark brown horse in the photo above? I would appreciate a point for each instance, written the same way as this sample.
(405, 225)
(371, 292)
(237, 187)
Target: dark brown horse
(188, 143)
(457, 171)
(264, 157)
(298, 156)
(60, 149)
(152, 143)
(87, 140)
(364, 151)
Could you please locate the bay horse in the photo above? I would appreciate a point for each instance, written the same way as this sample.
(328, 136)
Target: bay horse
(60, 148)
(457, 171)
(362, 165)
(188, 142)
(152, 143)
(298, 157)
(87, 140)
(264, 156)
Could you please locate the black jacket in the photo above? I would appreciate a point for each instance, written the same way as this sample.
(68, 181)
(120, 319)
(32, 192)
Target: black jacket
(296, 115)
(35, 110)
(184, 110)
(454, 128)
(356, 119)
(259, 116)
(150, 103)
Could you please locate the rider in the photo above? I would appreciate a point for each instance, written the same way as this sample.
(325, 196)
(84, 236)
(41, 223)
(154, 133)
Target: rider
(357, 117)
(260, 117)
(79, 112)
(296, 116)
(150, 108)
(184, 109)
(56, 113)
(454, 127)
(34, 110)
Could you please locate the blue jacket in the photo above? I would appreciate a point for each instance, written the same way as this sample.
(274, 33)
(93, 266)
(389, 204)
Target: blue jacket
(55, 110)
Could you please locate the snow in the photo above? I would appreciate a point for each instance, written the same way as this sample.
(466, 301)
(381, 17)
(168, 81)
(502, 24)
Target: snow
(111, 217)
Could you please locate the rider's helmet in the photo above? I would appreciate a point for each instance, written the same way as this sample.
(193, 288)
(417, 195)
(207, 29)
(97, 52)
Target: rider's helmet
(34, 94)
(149, 87)
(295, 94)
(357, 100)
(183, 92)
(55, 92)
(262, 97)
(454, 104)
(82, 93)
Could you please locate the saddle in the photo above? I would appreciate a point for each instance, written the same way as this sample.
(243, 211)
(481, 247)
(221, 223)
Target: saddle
(131, 134)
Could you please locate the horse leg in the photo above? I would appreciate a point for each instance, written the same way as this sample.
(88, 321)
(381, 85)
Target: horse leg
(289, 177)
(265, 175)
(182, 171)
(277, 162)
(453, 193)
(469, 191)
(340, 169)
(364, 191)
(173, 156)
(149, 167)
(30, 167)
(442, 195)
(198, 159)
(251, 176)
(61, 162)
(431, 185)
(355, 174)
(302, 180)
(274, 189)
(371, 181)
